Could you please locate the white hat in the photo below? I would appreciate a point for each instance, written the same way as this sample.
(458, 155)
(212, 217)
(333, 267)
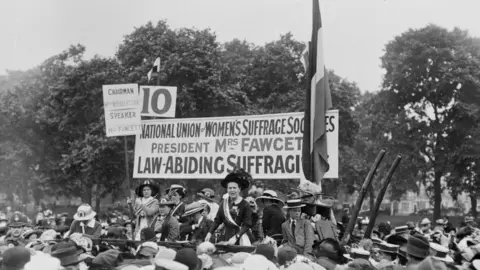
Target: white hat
(296, 203)
(84, 212)
(441, 253)
(254, 262)
(425, 221)
(365, 221)
(476, 264)
(269, 195)
(170, 265)
(357, 253)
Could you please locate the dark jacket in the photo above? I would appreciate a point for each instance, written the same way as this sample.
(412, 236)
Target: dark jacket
(272, 220)
(197, 235)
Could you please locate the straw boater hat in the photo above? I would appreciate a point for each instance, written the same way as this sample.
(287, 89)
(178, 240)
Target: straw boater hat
(388, 248)
(193, 208)
(441, 253)
(296, 203)
(270, 195)
(239, 176)
(147, 183)
(84, 212)
(207, 193)
(357, 253)
(29, 233)
(401, 229)
(177, 188)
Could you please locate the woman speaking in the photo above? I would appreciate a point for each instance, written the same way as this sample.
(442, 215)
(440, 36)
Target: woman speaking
(234, 212)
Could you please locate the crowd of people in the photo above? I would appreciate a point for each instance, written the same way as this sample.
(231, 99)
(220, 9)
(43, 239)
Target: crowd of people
(161, 231)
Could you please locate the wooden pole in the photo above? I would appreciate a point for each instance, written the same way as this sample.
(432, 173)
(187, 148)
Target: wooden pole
(381, 194)
(127, 167)
(361, 196)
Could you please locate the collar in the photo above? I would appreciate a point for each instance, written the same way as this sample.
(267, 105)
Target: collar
(293, 220)
(91, 223)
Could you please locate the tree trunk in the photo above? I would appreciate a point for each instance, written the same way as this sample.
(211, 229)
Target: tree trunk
(437, 186)
(473, 209)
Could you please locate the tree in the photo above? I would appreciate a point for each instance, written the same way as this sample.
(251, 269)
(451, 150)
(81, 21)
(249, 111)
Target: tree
(190, 60)
(56, 113)
(429, 74)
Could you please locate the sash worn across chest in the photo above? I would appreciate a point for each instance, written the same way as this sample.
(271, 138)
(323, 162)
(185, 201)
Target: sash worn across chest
(244, 240)
(176, 208)
(148, 202)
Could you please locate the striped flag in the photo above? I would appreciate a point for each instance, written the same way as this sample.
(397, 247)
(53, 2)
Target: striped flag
(155, 68)
(318, 101)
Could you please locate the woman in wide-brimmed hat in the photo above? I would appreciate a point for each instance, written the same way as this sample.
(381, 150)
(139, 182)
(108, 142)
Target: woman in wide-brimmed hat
(208, 195)
(235, 213)
(197, 224)
(177, 193)
(85, 223)
(273, 216)
(145, 207)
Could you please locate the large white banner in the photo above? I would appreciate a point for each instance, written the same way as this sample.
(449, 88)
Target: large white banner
(267, 146)
(121, 103)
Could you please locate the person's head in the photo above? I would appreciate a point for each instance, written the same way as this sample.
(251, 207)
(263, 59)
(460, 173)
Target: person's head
(425, 225)
(128, 227)
(386, 256)
(147, 189)
(146, 192)
(15, 258)
(206, 211)
(175, 196)
(294, 208)
(236, 181)
(147, 234)
(233, 190)
(294, 213)
(418, 248)
(267, 202)
(33, 237)
(188, 257)
(164, 209)
(9, 209)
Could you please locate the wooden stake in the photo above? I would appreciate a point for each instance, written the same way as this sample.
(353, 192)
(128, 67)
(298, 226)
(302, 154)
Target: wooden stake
(381, 194)
(361, 196)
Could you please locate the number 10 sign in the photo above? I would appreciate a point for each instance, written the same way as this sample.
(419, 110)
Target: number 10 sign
(159, 101)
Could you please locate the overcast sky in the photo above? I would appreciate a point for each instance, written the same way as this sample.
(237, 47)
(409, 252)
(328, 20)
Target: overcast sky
(355, 31)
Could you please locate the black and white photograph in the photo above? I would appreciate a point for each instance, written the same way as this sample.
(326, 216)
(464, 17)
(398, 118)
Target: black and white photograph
(240, 135)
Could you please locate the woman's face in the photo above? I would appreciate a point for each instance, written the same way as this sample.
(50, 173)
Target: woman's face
(174, 196)
(32, 237)
(147, 192)
(233, 190)
(128, 227)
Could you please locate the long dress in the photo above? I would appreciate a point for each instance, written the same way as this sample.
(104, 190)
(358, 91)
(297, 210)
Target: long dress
(237, 220)
(145, 218)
